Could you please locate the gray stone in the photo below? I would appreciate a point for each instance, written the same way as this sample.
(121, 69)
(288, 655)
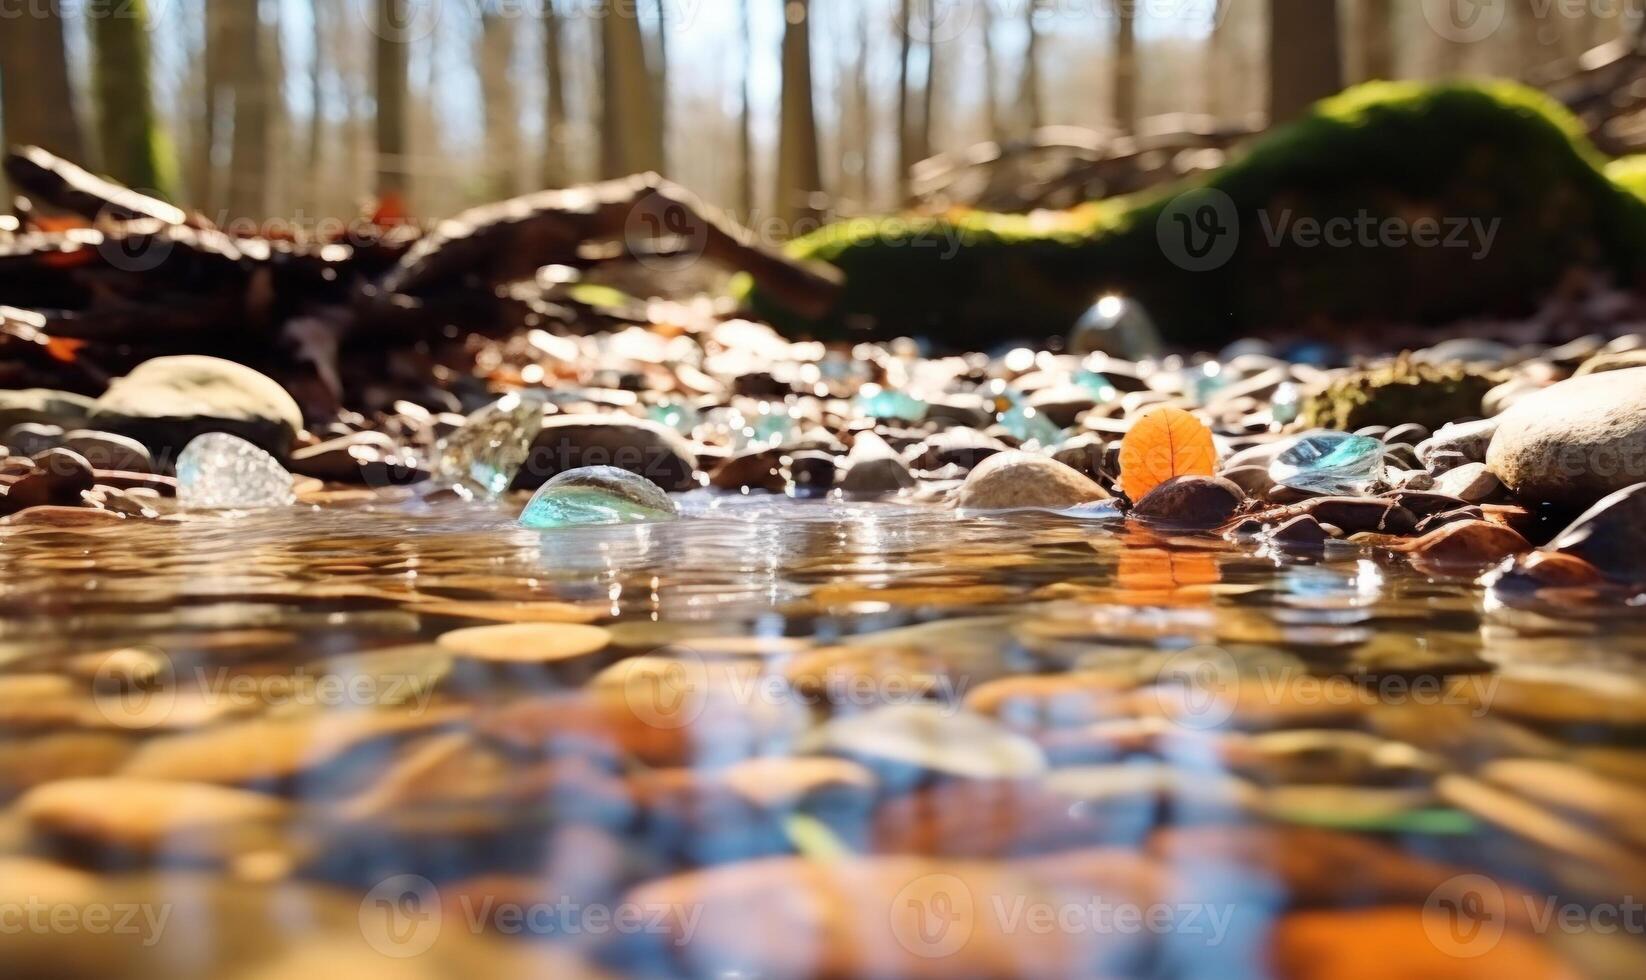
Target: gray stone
(107, 451)
(32, 438)
(1255, 480)
(61, 408)
(1468, 438)
(1575, 442)
(642, 447)
(1611, 535)
(1018, 480)
(1471, 483)
(166, 402)
(873, 468)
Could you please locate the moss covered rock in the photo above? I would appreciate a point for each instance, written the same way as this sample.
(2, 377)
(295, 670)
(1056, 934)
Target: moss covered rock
(1398, 392)
(1464, 157)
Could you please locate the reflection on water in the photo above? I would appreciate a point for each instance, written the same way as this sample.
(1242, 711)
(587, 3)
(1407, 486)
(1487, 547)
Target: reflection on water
(795, 739)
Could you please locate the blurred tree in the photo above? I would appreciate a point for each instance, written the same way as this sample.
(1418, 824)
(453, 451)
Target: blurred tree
(555, 172)
(318, 12)
(494, 61)
(246, 74)
(1375, 28)
(1305, 63)
(1125, 65)
(36, 99)
(991, 71)
(931, 83)
(1031, 113)
(631, 139)
(907, 156)
(134, 149)
(745, 127)
(660, 10)
(390, 65)
(799, 170)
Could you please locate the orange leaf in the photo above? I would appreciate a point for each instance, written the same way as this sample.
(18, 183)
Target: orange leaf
(1165, 443)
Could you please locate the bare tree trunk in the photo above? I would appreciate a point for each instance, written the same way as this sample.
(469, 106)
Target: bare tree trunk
(247, 75)
(1125, 65)
(390, 68)
(928, 92)
(494, 59)
(1031, 112)
(1304, 60)
(863, 113)
(631, 140)
(906, 155)
(991, 71)
(556, 172)
(1217, 75)
(135, 152)
(36, 100)
(745, 134)
(799, 171)
(1375, 28)
(661, 96)
(317, 94)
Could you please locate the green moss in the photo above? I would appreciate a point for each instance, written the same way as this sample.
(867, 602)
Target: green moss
(1493, 157)
(1398, 392)
(1629, 173)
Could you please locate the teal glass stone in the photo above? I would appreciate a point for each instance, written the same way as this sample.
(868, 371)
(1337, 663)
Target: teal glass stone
(887, 403)
(678, 416)
(562, 507)
(1330, 463)
(1287, 403)
(1027, 425)
(1100, 387)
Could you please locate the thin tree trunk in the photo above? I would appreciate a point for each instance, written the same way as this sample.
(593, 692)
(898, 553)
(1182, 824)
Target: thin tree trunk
(36, 99)
(494, 61)
(135, 152)
(390, 68)
(991, 71)
(630, 136)
(906, 156)
(799, 171)
(661, 96)
(1304, 60)
(317, 95)
(863, 112)
(928, 91)
(1125, 65)
(746, 122)
(1377, 48)
(244, 66)
(1028, 94)
(556, 173)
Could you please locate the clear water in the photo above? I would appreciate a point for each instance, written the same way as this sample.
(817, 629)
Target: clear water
(1328, 753)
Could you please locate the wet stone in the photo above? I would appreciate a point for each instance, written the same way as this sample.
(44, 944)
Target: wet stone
(873, 469)
(32, 438)
(1021, 480)
(1471, 483)
(1199, 502)
(1611, 535)
(107, 451)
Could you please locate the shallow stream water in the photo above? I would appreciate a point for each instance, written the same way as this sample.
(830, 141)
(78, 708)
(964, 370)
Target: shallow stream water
(791, 739)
